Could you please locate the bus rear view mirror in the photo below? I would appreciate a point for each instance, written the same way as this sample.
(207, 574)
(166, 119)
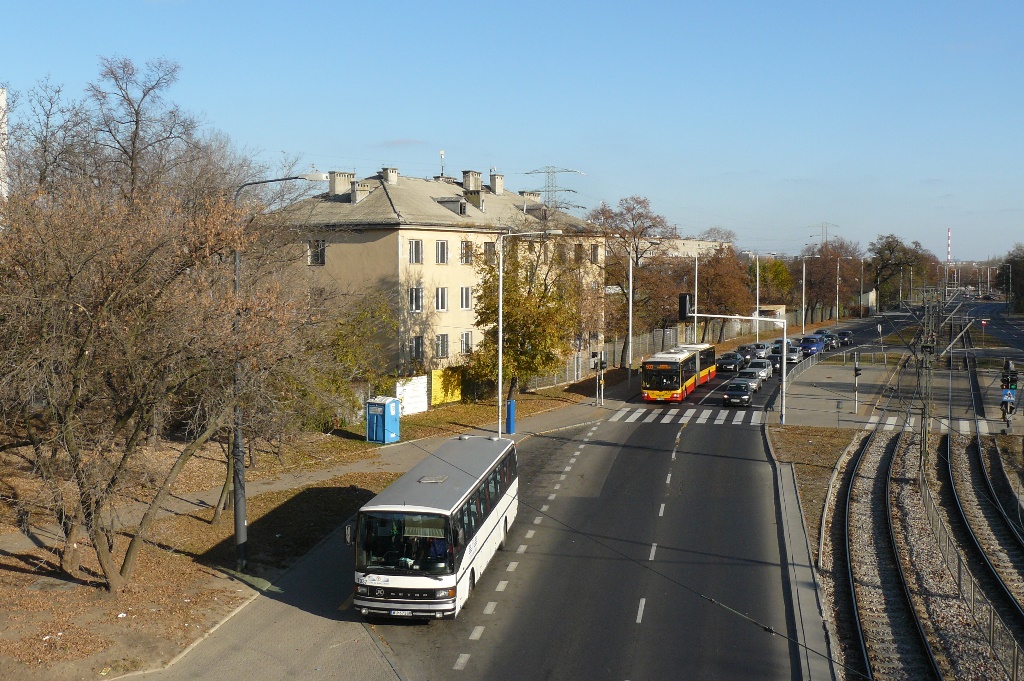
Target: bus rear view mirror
(348, 535)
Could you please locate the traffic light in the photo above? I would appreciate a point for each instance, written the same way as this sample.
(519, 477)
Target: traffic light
(684, 307)
(604, 364)
(856, 370)
(1013, 380)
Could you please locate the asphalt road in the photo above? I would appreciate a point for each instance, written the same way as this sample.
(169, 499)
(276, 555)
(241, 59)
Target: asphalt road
(643, 550)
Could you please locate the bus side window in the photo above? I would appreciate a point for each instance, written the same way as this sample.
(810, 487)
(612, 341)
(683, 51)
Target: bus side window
(485, 503)
(513, 465)
(494, 486)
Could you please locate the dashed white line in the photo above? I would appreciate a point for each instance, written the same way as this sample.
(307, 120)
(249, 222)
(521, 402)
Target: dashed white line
(551, 497)
(530, 533)
(561, 477)
(568, 468)
(536, 521)
(501, 585)
(572, 460)
(668, 479)
(639, 612)
(489, 610)
(654, 549)
(476, 634)
(661, 511)
(544, 508)
(512, 566)
(558, 486)
(461, 663)
(521, 549)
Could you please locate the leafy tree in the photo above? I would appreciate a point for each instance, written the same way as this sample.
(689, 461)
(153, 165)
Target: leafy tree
(540, 309)
(894, 263)
(635, 233)
(723, 287)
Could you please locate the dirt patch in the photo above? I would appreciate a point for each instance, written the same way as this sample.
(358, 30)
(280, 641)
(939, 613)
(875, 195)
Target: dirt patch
(813, 453)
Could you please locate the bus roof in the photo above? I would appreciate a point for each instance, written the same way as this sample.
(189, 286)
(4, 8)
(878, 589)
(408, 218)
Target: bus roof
(443, 479)
(678, 353)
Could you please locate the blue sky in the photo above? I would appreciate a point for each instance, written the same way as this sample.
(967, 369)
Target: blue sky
(768, 119)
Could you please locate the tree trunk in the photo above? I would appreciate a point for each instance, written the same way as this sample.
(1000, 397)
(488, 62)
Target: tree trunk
(71, 555)
(115, 581)
(624, 354)
(225, 497)
(513, 388)
(128, 565)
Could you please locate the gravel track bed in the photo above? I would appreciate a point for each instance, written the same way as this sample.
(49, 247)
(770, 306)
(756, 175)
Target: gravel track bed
(961, 650)
(996, 539)
(888, 624)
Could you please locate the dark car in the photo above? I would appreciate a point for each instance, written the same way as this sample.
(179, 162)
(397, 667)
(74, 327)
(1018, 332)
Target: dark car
(845, 337)
(831, 341)
(731, 361)
(736, 393)
(747, 351)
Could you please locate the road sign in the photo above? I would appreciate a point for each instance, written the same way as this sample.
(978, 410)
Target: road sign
(1008, 396)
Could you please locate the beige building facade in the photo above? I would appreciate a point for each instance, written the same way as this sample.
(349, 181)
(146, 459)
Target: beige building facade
(419, 240)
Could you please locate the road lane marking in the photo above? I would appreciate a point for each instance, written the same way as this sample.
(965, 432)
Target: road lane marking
(489, 610)
(687, 416)
(890, 423)
(544, 509)
(501, 585)
(965, 427)
(512, 566)
(568, 468)
(530, 533)
(704, 416)
(668, 479)
(461, 663)
(572, 460)
(536, 521)
(639, 612)
(636, 414)
(720, 417)
(983, 427)
(670, 415)
(558, 486)
(654, 549)
(551, 497)
(738, 418)
(755, 418)
(661, 511)
(521, 549)
(872, 421)
(653, 415)
(561, 477)
(476, 634)
(619, 414)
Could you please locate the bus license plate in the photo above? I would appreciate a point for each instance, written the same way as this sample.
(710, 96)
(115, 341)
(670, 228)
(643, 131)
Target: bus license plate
(401, 613)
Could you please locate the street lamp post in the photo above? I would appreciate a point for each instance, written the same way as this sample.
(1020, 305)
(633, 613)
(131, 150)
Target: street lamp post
(237, 446)
(501, 290)
(860, 301)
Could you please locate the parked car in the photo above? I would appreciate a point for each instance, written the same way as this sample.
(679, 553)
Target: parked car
(845, 337)
(753, 376)
(737, 392)
(731, 361)
(812, 345)
(762, 366)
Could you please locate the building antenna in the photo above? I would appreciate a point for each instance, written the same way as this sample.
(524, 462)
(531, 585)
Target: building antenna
(442, 163)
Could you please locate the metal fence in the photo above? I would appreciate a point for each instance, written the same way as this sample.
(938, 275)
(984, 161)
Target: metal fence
(998, 636)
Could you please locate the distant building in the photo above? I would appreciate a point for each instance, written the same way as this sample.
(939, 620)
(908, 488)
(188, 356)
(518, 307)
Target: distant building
(418, 239)
(688, 248)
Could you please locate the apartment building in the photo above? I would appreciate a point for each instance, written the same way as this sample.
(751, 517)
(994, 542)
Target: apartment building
(419, 240)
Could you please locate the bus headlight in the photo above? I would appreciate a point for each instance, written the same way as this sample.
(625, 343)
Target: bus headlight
(444, 593)
(362, 590)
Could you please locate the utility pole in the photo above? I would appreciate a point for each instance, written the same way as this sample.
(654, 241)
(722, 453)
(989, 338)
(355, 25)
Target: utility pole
(551, 188)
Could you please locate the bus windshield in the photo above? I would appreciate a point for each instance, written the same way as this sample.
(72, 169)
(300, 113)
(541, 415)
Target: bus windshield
(660, 379)
(403, 543)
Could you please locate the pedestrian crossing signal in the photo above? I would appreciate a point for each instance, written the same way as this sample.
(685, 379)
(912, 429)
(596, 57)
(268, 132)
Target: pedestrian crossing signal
(856, 371)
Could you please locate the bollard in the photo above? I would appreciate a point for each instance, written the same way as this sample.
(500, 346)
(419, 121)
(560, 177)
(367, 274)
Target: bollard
(510, 417)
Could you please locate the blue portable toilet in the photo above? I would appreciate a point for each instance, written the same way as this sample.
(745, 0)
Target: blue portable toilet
(382, 419)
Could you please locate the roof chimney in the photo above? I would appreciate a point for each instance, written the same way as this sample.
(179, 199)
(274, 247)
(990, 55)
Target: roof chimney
(470, 180)
(390, 175)
(476, 197)
(497, 184)
(359, 191)
(338, 181)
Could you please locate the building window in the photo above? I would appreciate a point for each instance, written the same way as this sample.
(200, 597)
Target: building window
(441, 346)
(578, 253)
(441, 299)
(489, 252)
(317, 252)
(416, 299)
(466, 342)
(466, 298)
(415, 251)
(416, 348)
(441, 252)
(595, 253)
(466, 253)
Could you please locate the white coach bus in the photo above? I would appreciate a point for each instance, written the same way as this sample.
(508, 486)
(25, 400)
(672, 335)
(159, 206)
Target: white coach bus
(422, 543)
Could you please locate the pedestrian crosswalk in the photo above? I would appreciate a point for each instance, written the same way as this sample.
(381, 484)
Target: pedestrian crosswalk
(698, 415)
(941, 426)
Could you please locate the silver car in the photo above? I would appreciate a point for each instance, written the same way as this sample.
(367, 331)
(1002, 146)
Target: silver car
(763, 367)
(751, 376)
